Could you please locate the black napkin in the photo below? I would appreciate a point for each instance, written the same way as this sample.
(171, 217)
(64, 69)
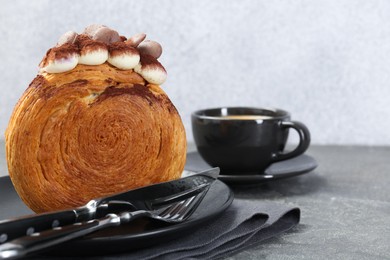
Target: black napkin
(244, 223)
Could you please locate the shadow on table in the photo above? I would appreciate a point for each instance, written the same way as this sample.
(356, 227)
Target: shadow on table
(295, 186)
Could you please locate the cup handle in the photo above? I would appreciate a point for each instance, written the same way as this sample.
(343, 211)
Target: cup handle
(304, 140)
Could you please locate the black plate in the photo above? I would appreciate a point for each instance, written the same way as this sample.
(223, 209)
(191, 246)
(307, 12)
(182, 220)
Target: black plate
(139, 234)
(280, 170)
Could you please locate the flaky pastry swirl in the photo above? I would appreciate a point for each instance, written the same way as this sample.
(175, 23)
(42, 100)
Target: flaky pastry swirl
(90, 132)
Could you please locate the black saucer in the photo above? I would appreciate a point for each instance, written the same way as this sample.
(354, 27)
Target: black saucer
(280, 170)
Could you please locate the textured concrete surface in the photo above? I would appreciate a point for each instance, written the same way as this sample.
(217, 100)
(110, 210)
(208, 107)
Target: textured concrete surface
(326, 61)
(345, 207)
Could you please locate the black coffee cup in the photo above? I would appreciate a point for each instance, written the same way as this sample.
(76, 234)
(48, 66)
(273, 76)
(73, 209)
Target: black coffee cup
(245, 140)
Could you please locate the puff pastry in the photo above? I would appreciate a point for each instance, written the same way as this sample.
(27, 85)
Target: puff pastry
(89, 132)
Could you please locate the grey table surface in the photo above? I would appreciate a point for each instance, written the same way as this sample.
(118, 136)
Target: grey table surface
(345, 206)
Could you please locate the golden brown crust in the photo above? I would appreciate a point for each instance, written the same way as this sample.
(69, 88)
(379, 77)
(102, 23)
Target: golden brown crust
(91, 132)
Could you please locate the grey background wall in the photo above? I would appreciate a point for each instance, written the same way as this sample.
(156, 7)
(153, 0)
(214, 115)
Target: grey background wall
(326, 61)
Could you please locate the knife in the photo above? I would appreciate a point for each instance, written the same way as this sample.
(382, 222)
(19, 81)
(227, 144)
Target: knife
(100, 207)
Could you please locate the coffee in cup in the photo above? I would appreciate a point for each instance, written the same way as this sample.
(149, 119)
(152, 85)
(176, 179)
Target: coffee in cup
(245, 140)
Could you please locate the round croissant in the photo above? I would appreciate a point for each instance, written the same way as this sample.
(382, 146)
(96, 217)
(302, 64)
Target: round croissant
(90, 132)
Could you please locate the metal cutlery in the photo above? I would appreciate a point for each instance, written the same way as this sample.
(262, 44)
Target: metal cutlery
(173, 212)
(163, 193)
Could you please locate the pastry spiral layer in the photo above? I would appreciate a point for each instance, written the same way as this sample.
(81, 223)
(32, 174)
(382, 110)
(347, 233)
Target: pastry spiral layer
(90, 132)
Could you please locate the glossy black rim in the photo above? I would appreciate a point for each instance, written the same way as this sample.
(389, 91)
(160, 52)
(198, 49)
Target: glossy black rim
(216, 113)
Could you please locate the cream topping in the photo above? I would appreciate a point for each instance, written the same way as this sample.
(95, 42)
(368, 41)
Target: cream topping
(151, 70)
(62, 65)
(94, 57)
(60, 59)
(99, 44)
(123, 56)
(91, 52)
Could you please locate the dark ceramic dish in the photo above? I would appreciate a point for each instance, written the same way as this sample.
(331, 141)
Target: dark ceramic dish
(138, 234)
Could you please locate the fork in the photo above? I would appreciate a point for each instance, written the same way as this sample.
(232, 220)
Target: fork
(176, 212)
(141, 198)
